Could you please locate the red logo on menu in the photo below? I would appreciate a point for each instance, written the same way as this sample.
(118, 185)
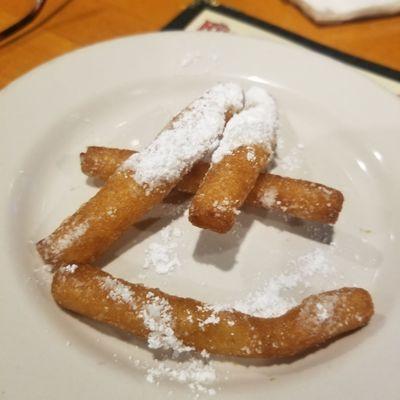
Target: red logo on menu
(214, 27)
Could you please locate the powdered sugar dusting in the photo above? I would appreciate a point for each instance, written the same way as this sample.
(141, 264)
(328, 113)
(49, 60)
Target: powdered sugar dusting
(44, 274)
(117, 291)
(293, 160)
(274, 297)
(157, 317)
(69, 269)
(324, 310)
(255, 125)
(318, 310)
(189, 137)
(315, 263)
(270, 300)
(225, 205)
(268, 198)
(66, 240)
(251, 156)
(163, 257)
(212, 319)
(198, 372)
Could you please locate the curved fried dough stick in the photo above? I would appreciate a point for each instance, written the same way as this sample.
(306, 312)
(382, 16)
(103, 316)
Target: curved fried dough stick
(95, 294)
(302, 199)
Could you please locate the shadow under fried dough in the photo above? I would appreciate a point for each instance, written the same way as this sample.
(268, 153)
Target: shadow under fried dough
(94, 182)
(211, 244)
(322, 233)
(152, 224)
(132, 237)
(348, 246)
(219, 249)
(177, 198)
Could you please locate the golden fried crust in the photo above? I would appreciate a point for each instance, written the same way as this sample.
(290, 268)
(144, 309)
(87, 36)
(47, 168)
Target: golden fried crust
(225, 188)
(88, 233)
(102, 162)
(191, 181)
(98, 223)
(296, 197)
(317, 320)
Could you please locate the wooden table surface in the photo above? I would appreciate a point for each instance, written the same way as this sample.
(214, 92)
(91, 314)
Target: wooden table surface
(65, 25)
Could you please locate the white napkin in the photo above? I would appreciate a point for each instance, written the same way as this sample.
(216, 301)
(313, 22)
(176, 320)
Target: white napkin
(344, 10)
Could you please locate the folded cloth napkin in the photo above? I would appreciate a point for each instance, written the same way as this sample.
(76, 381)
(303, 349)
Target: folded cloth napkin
(344, 10)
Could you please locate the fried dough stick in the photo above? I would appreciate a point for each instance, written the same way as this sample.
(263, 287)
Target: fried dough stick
(295, 197)
(150, 313)
(245, 148)
(143, 180)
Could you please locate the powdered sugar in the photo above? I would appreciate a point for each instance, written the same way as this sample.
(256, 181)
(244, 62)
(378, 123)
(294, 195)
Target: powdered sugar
(324, 310)
(225, 205)
(157, 317)
(212, 319)
(268, 198)
(68, 239)
(293, 160)
(270, 300)
(318, 310)
(179, 362)
(255, 125)
(314, 263)
(163, 257)
(196, 372)
(117, 291)
(251, 155)
(69, 269)
(274, 296)
(44, 274)
(189, 137)
(111, 212)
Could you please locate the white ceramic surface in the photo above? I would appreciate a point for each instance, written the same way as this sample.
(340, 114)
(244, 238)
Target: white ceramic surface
(115, 92)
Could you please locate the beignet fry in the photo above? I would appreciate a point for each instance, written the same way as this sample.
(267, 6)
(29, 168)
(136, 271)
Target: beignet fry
(316, 320)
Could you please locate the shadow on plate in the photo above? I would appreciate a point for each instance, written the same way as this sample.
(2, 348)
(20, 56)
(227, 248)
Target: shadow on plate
(322, 233)
(173, 207)
(210, 244)
(221, 250)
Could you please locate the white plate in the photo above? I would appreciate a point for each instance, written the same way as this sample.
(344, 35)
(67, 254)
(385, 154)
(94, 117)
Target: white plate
(114, 92)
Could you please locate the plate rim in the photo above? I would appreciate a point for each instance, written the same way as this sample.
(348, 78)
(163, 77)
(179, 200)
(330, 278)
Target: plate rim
(20, 81)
